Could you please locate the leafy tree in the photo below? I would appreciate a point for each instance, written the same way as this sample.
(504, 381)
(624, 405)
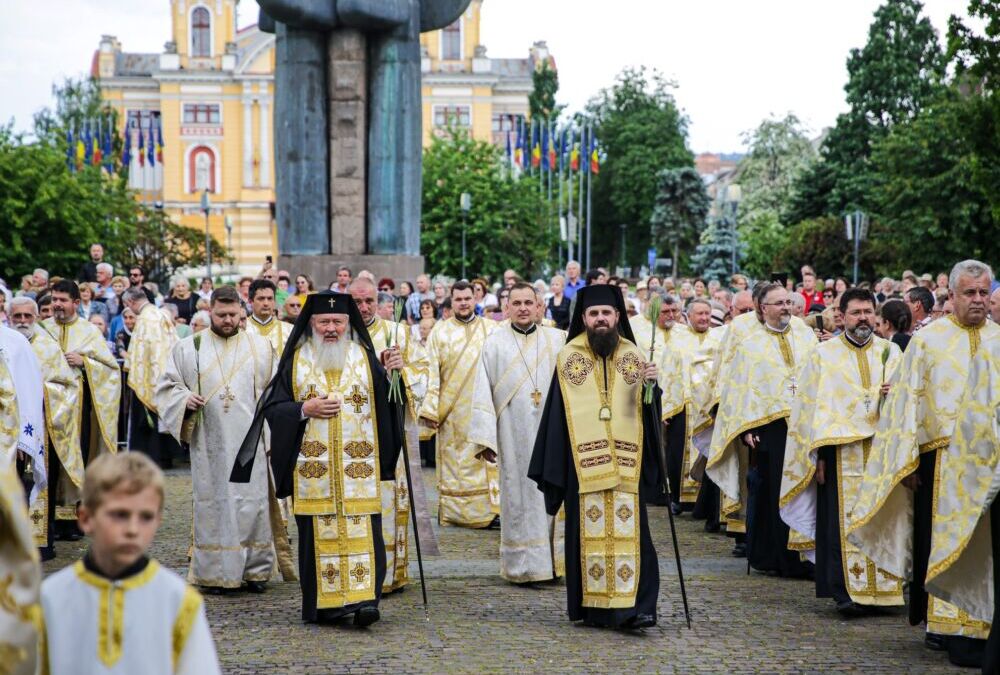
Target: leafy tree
(640, 131)
(766, 239)
(506, 226)
(681, 206)
(77, 101)
(819, 242)
(542, 99)
(890, 79)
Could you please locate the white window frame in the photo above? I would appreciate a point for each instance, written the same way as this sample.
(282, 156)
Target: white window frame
(461, 41)
(211, 32)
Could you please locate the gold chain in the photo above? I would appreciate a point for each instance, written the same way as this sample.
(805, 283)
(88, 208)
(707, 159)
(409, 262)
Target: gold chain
(226, 379)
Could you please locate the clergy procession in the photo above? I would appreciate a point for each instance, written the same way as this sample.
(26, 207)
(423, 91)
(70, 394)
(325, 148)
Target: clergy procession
(340, 447)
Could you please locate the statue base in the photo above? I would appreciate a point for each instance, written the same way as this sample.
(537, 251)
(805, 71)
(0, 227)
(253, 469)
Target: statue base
(322, 269)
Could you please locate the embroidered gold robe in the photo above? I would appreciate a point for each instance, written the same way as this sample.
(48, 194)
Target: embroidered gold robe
(453, 350)
(275, 331)
(153, 338)
(20, 570)
(9, 422)
(918, 417)
(506, 412)
(837, 405)
(960, 569)
(231, 530)
(758, 378)
(395, 499)
(102, 377)
(62, 431)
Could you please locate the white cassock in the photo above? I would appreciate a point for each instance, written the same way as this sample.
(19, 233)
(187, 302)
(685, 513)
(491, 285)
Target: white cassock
(232, 530)
(26, 372)
(513, 378)
(151, 623)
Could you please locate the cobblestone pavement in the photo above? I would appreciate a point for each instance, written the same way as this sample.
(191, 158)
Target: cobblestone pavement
(480, 623)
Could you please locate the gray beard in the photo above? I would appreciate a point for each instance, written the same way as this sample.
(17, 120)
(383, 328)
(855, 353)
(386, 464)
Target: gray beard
(26, 330)
(861, 334)
(330, 355)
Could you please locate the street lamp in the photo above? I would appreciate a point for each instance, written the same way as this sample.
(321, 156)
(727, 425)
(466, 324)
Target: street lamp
(465, 203)
(206, 208)
(733, 195)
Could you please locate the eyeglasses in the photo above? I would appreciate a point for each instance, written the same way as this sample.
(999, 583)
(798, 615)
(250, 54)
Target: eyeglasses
(783, 303)
(385, 289)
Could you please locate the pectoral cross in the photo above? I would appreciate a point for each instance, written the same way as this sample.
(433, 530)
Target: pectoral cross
(226, 397)
(868, 403)
(357, 399)
(536, 398)
(792, 387)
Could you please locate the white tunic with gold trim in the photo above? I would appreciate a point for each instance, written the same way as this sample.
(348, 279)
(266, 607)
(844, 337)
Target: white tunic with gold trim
(152, 339)
(151, 623)
(918, 416)
(515, 373)
(837, 405)
(395, 499)
(232, 530)
(453, 349)
(20, 572)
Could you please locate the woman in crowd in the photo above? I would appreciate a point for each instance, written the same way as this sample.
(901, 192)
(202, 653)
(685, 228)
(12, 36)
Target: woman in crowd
(894, 322)
(700, 288)
(181, 297)
(89, 307)
(738, 283)
(481, 292)
(205, 289)
(386, 285)
(559, 304)
(405, 290)
(303, 287)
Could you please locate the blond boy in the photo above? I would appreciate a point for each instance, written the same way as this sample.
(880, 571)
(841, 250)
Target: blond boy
(117, 610)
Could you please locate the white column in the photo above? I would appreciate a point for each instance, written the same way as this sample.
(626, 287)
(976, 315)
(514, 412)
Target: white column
(247, 141)
(265, 142)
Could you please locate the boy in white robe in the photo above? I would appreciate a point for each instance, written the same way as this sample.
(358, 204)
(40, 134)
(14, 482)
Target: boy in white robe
(116, 610)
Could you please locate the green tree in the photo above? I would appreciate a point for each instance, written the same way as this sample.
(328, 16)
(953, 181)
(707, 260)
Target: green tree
(542, 99)
(778, 154)
(506, 226)
(713, 257)
(640, 131)
(681, 206)
(890, 79)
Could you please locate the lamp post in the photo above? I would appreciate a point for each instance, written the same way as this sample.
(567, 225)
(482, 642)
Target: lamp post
(733, 195)
(857, 230)
(206, 208)
(465, 202)
(623, 245)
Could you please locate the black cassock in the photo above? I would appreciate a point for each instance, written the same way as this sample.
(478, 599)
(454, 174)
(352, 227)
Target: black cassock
(284, 417)
(553, 469)
(676, 447)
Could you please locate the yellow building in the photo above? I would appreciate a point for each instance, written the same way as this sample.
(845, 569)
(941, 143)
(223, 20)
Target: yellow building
(208, 100)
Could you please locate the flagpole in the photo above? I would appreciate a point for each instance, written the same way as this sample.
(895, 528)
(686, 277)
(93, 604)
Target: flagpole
(559, 157)
(548, 175)
(569, 201)
(579, 210)
(590, 173)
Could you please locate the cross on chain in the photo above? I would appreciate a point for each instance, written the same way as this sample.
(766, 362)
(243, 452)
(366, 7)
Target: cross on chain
(357, 399)
(792, 387)
(226, 397)
(868, 403)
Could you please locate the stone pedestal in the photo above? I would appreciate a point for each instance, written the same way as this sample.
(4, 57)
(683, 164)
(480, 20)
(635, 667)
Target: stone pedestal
(348, 96)
(322, 269)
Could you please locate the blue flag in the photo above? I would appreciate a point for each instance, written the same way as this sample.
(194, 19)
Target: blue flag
(70, 150)
(151, 146)
(127, 147)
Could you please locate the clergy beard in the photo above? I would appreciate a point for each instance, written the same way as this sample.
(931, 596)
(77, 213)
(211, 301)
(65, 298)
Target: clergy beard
(861, 334)
(603, 343)
(330, 355)
(27, 330)
(225, 333)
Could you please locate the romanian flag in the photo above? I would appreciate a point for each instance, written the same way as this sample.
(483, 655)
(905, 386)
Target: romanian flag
(142, 149)
(96, 152)
(553, 156)
(518, 147)
(536, 148)
(81, 151)
(574, 157)
(159, 142)
(595, 160)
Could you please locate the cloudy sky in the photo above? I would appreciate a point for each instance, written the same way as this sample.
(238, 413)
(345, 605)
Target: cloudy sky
(735, 61)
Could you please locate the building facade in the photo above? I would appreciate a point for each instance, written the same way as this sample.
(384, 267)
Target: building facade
(206, 104)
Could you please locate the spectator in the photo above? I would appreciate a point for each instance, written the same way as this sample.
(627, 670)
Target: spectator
(422, 293)
(181, 297)
(205, 289)
(303, 287)
(281, 294)
(921, 304)
(102, 325)
(90, 307)
(88, 270)
(573, 280)
(942, 281)
(894, 322)
(405, 290)
(482, 295)
(428, 310)
(39, 280)
(829, 298)
(386, 306)
(386, 285)
(292, 307)
(738, 283)
(700, 288)
(595, 277)
(809, 291)
(200, 321)
(103, 291)
(995, 305)
(424, 329)
(4, 319)
(440, 292)
(343, 281)
(559, 304)
(243, 287)
(798, 304)
(123, 337)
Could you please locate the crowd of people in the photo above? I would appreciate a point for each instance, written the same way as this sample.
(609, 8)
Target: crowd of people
(840, 433)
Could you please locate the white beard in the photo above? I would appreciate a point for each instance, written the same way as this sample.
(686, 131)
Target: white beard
(330, 355)
(26, 330)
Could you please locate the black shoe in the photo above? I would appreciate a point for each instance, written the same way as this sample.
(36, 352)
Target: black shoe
(46, 552)
(366, 616)
(640, 621)
(850, 609)
(675, 509)
(216, 590)
(740, 550)
(714, 528)
(494, 524)
(256, 586)
(935, 642)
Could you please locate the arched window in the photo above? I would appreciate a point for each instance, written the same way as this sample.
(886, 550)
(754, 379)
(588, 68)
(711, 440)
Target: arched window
(201, 171)
(201, 32)
(451, 42)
